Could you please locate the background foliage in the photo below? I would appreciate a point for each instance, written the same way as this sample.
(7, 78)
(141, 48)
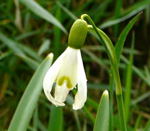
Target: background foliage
(29, 30)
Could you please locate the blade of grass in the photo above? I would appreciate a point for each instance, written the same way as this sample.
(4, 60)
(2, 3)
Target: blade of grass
(57, 35)
(66, 11)
(127, 13)
(147, 72)
(32, 63)
(98, 86)
(56, 119)
(92, 103)
(25, 35)
(138, 71)
(111, 94)
(101, 62)
(6, 54)
(117, 14)
(44, 46)
(102, 116)
(141, 98)
(118, 8)
(147, 14)
(89, 114)
(102, 49)
(11, 44)
(41, 126)
(119, 20)
(101, 9)
(77, 120)
(42, 13)
(85, 125)
(128, 81)
(137, 123)
(29, 100)
(121, 40)
(147, 127)
(20, 51)
(137, 5)
(35, 120)
(30, 52)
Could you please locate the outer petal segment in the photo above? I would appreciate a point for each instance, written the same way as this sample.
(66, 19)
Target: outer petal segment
(70, 66)
(50, 78)
(81, 96)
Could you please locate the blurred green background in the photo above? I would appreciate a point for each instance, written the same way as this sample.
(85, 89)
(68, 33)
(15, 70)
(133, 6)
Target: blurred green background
(28, 33)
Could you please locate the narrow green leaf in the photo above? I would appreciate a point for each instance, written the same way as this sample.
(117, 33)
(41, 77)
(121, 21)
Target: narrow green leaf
(128, 82)
(44, 46)
(77, 120)
(20, 51)
(35, 119)
(147, 127)
(138, 71)
(137, 123)
(30, 52)
(106, 42)
(57, 35)
(147, 72)
(30, 98)
(41, 12)
(120, 19)
(92, 103)
(118, 8)
(66, 11)
(120, 43)
(32, 63)
(56, 119)
(11, 44)
(4, 55)
(96, 59)
(111, 96)
(140, 4)
(102, 117)
(41, 126)
(141, 98)
(88, 114)
(127, 13)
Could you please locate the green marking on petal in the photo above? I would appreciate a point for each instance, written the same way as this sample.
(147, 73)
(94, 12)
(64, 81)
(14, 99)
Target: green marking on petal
(66, 79)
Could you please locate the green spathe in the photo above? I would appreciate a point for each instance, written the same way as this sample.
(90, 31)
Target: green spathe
(102, 116)
(77, 34)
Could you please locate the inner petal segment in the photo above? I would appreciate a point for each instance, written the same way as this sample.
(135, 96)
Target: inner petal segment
(61, 92)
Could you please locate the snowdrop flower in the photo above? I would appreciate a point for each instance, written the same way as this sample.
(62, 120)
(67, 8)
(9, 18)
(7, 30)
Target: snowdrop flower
(67, 72)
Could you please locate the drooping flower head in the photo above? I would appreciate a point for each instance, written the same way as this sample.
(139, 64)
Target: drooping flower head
(67, 72)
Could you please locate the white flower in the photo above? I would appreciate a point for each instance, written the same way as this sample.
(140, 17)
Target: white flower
(66, 73)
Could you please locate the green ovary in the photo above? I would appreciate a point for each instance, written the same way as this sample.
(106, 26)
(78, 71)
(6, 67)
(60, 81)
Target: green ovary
(66, 79)
(78, 33)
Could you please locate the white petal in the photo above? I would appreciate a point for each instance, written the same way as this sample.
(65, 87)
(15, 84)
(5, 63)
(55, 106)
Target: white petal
(50, 78)
(69, 67)
(81, 95)
(61, 93)
(51, 99)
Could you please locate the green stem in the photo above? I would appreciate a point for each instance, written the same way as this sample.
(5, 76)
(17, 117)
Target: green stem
(117, 15)
(111, 94)
(121, 112)
(112, 56)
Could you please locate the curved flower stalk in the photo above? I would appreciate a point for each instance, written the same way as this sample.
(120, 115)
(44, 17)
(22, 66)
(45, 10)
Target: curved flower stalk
(67, 72)
(114, 67)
